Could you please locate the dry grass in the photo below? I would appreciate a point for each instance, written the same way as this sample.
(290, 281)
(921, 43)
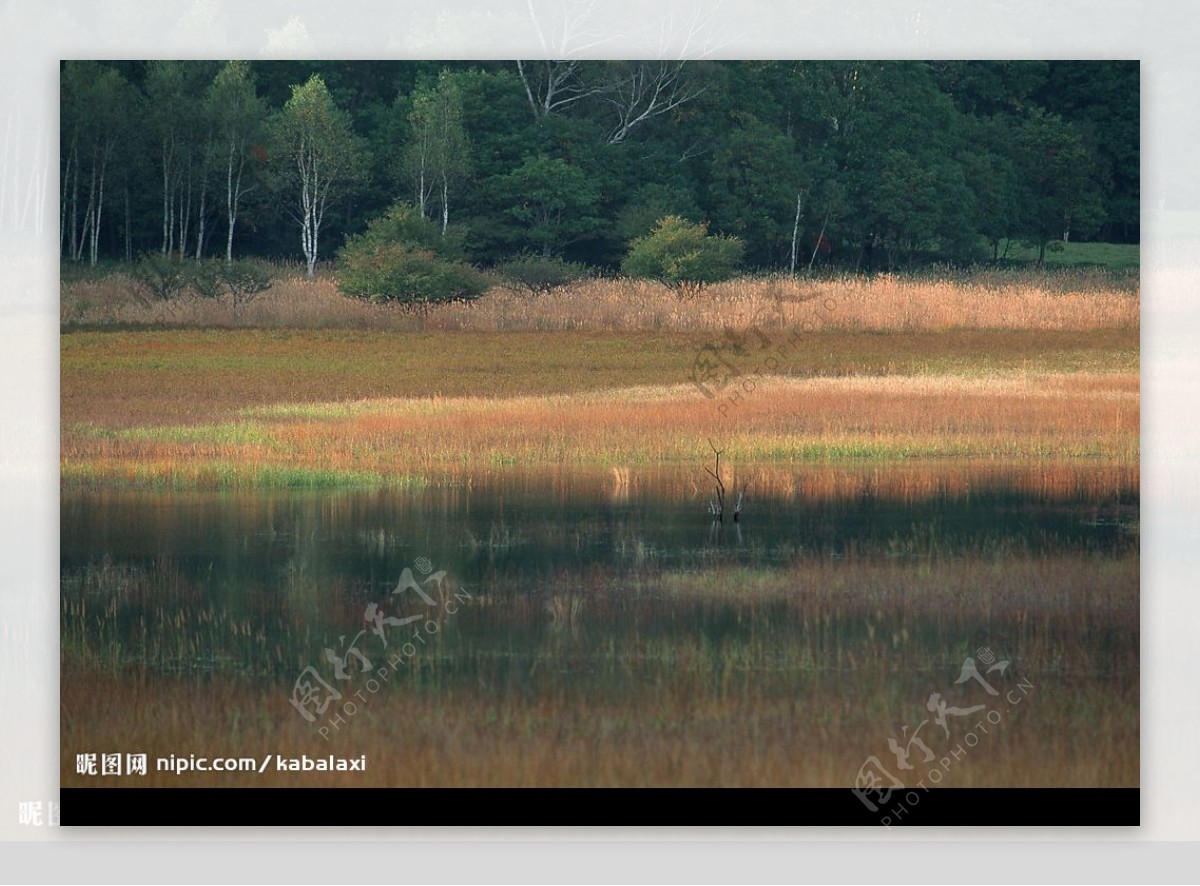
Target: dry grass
(122, 379)
(724, 676)
(982, 300)
(780, 421)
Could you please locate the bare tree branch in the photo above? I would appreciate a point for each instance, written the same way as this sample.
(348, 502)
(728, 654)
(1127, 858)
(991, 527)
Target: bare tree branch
(717, 508)
(555, 85)
(566, 28)
(651, 89)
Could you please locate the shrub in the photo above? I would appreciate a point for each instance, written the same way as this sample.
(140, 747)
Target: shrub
(539, 273)
(160, 276)
(683, 255)
(405, 258)
(163, 278)
(399, 272)
(204, 278)
(403, 223)
(245, 280)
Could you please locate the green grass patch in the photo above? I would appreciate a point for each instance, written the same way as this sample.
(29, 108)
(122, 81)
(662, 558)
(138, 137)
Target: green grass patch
(224, 476)
(1113, 256)
(226, 433)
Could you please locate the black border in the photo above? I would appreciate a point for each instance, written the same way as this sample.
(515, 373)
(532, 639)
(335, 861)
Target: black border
(474, 807)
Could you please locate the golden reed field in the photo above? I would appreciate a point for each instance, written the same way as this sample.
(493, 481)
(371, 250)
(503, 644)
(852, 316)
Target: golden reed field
(1043, 300)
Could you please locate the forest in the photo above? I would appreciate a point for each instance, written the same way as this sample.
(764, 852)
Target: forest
(850, 165)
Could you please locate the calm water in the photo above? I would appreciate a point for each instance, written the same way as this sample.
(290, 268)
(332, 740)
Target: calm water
(515, 528)
(317, 555)
(852, 589)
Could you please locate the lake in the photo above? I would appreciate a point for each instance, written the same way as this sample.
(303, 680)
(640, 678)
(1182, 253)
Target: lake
(563, 625)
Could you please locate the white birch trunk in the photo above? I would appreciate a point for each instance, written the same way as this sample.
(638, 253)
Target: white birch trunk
(62, 225)
(796, 233)
(99, 210)
(820, 237)
(128, 232)
(185, 213)
(75, 205)
(445, 204)
(200, 214)
(167, 219)
(85, 234)
(232, 195)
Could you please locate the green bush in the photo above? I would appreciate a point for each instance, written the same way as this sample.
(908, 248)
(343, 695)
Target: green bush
(403, 223)
(160, 276)
(244, 280)
(540, 273)
(204, 278)
(683, 255)
(163, 278)
(405, 258)
(399, 272)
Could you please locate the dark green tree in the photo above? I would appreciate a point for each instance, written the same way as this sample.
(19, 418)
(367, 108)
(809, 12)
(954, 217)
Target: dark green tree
(554, 200)
(1060, 193)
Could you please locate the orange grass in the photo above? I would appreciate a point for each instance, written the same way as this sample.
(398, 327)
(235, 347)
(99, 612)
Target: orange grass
(781, 420)
(980, 300)
(121, 379)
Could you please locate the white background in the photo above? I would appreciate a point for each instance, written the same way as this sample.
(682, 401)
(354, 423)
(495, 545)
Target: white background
(35, 35)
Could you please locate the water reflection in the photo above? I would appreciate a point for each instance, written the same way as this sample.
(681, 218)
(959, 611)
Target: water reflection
(516, 524)
(850, 589)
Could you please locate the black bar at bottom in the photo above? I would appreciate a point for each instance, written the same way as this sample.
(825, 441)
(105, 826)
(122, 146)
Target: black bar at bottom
(596, 806)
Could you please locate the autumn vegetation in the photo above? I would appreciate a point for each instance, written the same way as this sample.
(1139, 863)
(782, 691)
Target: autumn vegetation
(333, 284)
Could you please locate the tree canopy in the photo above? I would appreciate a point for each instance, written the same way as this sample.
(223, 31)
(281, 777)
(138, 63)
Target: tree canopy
(857, 164)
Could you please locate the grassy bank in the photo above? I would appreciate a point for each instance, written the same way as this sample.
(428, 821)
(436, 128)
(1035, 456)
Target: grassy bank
(290, 408)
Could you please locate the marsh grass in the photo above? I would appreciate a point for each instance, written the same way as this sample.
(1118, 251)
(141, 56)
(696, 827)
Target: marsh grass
(783, 421)
(130, 379)
(182, 473)
(949, 299)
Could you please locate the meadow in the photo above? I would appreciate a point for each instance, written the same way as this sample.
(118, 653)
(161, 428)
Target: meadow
(285, 405)
(936, 465)
(1112, 256)
(400, 441)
